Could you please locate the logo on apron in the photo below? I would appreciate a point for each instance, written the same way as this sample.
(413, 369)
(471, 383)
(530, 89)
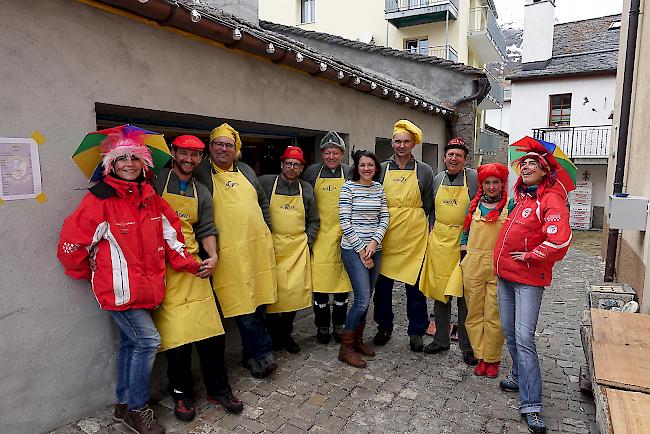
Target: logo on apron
(231, 184)
(329, 188)
(399, 179)
(182, 215)
(453, 202)
(288, 207)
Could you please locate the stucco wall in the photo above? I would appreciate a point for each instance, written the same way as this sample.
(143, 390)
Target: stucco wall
(246, 9)
(58, 348)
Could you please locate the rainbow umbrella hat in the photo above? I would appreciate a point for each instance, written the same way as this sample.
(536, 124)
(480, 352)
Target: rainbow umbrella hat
(568, 172)
(88, 156)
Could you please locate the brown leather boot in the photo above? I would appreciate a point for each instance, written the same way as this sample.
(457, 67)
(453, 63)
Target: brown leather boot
(347, 353)
(359, 345)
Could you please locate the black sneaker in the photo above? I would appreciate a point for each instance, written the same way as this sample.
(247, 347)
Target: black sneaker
(382, 337)
(323, 335)
(291, 346)
(119, 412)
(267, 365)
(509, 385)
(434, 348)
(416, 344)
(229, 401)
(469, 359)
(253, 365)
(535, 422)
(184, 409)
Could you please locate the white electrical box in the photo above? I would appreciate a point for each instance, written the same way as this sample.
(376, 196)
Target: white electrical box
(630, 212)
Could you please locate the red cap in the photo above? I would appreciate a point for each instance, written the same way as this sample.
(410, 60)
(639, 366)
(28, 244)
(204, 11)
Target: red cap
(293, 152)
(188, 142)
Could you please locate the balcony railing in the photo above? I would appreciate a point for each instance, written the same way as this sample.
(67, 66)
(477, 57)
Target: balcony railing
(482, 19)
(441, 51)
(496, 91)
(405, 13)
(578, 142)
(407, 5)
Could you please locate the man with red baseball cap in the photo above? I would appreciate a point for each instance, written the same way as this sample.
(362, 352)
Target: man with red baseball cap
(188, 313)
(294, 223)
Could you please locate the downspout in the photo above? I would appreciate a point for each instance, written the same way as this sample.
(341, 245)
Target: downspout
(481, 92)
(624, 124)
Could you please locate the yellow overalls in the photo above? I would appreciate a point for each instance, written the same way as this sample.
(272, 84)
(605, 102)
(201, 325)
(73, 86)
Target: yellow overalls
(405, 241)
(327, 272)
(441, 275)
(293, 268)
(244, 277)
(188, 312)
(483, 323)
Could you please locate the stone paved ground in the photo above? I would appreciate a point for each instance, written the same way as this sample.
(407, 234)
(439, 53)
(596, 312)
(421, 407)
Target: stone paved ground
(401, 391)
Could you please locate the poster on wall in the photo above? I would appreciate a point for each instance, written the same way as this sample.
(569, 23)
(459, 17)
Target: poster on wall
(20, 169)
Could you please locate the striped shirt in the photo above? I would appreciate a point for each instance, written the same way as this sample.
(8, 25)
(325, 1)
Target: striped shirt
(363, 214)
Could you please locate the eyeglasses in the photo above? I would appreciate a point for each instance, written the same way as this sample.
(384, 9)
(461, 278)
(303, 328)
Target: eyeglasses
(222, 145)
(292, 165)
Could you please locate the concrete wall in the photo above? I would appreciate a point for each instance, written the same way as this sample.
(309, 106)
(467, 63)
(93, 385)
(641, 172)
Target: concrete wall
(634, 246)
(58, 348)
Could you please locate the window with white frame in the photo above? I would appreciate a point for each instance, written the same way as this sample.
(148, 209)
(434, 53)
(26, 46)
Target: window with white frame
(419, 46)
(307, 11)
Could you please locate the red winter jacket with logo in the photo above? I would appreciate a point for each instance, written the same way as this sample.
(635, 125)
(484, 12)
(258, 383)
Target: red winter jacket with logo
(129, 231)
(538, 225)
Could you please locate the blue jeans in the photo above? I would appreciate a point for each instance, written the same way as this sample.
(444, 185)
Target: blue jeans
(255, 339)
(416, 306)
(139, 343)
(519, 309)
(363, 281)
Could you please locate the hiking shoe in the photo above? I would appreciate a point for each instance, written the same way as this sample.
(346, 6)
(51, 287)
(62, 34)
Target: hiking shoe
(382, 337)
(119, 412)
(416, 344)
(469, 359)
(184, 409)
(229, 401)
(535, 422)
(479, 371)
(323, 335)
(509, 385)
(492, 370)
(434, 347)
(291, 346)
(142, 421)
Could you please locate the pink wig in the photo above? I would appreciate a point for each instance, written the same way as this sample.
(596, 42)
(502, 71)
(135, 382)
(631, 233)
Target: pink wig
(124, 143)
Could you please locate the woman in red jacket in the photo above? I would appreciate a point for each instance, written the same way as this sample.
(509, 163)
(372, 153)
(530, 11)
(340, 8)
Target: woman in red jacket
(128, 231)
(535, 236)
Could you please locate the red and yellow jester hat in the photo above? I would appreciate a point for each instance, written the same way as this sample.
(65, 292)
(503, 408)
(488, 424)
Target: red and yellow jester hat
(499, 171)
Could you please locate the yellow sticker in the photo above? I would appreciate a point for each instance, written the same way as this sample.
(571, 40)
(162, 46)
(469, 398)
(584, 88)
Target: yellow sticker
(38, 137)
(1, 201)
(41, 198)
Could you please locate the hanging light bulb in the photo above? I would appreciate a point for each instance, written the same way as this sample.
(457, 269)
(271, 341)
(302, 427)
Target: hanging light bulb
(385, 92)
(143, 1)
(407, 99)
(437, 110)
(195, 16)
(373, 85)
(424, 104)
(416, 103)
(340, 75)
(357, 81)
(322, 67)
(430, 108)
(237, 35)
(444, 112)
(299, 57)
(270, 48)
(397, 95)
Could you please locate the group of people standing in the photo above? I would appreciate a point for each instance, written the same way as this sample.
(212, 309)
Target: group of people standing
(157, 251)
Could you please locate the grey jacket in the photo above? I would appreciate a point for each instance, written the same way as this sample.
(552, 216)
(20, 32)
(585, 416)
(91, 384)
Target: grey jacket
(310, 174)
(472, 185)
(312, 220)
(205, 226)
(425, 179)
(203, 173)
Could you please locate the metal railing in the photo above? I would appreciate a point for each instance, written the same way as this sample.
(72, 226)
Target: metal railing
(496, 91)
(483, 19)
(441, 51)
(406, 5)
(582, 141)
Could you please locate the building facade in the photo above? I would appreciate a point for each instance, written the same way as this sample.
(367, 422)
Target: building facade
(563, 92)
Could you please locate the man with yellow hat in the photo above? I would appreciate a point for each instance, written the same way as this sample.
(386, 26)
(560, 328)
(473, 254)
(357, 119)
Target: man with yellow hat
(328, 275)
(244, 279)
(408, 184)
(295, 224)
(188, 313)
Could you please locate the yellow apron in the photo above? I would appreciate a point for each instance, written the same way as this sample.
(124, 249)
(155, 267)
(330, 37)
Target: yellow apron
(188, 312)
(483, 323)
(327, 272)
(244, 277)
(405, 241)
(291, 252)
(441, 275)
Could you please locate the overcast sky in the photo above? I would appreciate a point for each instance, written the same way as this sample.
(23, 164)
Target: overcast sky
(512, 11)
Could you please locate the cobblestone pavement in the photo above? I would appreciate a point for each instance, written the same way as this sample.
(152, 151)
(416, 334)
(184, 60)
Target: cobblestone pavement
(401, 391)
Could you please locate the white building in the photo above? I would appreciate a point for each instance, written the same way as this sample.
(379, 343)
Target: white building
(563, 92)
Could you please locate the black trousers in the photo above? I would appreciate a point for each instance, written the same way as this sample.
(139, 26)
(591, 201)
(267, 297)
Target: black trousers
(322, 309)
(442, 314)
(280, 325)
(211, 355)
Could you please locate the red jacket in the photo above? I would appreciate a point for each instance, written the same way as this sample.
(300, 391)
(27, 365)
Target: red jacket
(540, 227)
(129, 230)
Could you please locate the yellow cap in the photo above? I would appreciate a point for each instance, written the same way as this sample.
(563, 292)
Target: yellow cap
(225, 130)
(404, 126)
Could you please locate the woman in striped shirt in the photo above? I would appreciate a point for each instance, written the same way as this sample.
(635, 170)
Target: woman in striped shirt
(364, 219)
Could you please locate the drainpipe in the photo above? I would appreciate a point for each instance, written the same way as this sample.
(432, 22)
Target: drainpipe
(624, 124)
